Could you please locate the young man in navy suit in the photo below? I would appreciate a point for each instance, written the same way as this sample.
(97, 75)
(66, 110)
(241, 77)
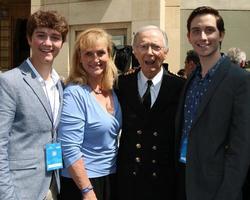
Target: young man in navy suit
(212, 126)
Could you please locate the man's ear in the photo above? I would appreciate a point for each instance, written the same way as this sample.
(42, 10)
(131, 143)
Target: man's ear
(134, 51)
(28, 39)
(166, 51)
(188, 37)
(222, 34)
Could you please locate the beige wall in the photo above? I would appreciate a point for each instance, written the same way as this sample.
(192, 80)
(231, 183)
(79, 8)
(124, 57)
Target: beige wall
(115, 14)
(172, 24)
(126, 16)
(236, 15)
(218, 4)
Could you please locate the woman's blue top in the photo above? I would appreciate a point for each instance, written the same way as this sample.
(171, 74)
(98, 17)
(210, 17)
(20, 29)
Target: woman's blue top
(86, 130)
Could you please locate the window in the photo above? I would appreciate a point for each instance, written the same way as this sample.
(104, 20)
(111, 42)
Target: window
(5, 43)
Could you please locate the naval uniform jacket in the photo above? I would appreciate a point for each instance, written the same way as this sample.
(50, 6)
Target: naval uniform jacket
(145, 166)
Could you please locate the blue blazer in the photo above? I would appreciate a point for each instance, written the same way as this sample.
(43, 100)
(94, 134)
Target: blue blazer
(218, 152)
(25, 128)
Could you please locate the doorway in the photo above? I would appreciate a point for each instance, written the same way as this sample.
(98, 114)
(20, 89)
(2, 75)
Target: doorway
(13, 44)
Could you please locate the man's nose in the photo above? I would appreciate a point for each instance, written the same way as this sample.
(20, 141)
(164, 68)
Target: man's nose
(203, 35)
(48, 40)
(149, 49)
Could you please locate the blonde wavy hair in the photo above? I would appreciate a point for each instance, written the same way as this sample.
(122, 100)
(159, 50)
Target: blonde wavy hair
(88, 39)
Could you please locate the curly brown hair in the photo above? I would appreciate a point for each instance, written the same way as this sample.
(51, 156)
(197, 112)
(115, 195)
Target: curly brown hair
(49, 19)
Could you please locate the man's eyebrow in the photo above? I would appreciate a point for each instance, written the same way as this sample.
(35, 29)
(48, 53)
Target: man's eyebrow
(39, 31)
(195, 28)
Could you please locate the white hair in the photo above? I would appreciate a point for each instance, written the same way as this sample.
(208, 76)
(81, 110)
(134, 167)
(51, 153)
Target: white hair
(151, 27)
(236, 55)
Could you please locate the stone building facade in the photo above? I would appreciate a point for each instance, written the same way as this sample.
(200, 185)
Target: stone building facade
(121, 18)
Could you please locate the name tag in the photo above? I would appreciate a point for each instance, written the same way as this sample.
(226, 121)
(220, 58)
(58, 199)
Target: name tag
(53, 156)
(183, 152)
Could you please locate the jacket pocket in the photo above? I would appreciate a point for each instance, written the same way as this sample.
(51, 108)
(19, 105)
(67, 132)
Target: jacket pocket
(23, 164)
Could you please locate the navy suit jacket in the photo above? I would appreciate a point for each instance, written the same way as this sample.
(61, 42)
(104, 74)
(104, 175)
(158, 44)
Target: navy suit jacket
(218, 152)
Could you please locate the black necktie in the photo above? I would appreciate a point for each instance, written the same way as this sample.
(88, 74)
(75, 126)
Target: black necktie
(146, 98)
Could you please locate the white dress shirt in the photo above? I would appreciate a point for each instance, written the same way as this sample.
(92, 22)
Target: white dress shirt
(155, 87)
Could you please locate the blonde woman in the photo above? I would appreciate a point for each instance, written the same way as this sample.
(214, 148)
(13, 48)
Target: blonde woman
(90, 121)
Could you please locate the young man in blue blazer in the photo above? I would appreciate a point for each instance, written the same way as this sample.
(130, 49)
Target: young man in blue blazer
(30, 104)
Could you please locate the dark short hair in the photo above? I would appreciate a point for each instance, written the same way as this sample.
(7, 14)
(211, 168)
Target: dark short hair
(192, 56)
(206, 10)
(48, 19)
(181, 72)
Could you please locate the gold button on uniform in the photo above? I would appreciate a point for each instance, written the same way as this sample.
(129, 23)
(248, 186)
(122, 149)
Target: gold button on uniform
(153, 161)
(154, 147)
(139, 132)
(137, 159)
(134, 173)
(138, 146)
(154, 174)
(155, 134)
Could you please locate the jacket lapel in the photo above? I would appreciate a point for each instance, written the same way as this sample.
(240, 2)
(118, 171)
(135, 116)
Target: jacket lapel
(165, 94)
(217, 79)
(30, 79)
(133, 96)
(179, 114)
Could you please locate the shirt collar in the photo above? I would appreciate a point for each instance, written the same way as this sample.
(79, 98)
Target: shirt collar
(211, 71)
(143, 79)
(54, 75)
